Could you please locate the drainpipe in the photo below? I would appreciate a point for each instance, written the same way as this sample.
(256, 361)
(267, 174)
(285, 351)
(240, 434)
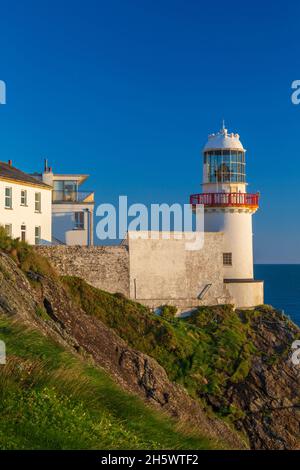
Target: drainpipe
(88, 216)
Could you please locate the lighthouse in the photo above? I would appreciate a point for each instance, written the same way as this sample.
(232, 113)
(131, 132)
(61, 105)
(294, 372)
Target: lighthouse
(228, 208)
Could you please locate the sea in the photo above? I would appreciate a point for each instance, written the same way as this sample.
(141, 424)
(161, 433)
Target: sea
(282, 287)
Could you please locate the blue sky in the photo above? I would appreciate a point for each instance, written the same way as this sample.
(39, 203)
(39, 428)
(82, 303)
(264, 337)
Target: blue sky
(127, 91)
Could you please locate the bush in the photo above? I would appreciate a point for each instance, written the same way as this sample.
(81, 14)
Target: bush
(167, 311)
(25, 255)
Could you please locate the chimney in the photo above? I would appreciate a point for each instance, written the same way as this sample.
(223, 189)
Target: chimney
(10, 162)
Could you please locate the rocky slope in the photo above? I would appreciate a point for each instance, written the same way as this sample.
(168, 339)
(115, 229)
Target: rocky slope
(41, 301)
(237, 362)
(268, 394)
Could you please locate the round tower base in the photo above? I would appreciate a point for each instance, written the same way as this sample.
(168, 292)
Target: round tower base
(247, 293)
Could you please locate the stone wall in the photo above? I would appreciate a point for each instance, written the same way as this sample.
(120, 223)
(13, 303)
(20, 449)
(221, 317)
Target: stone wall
(151, 271)
(104, 267)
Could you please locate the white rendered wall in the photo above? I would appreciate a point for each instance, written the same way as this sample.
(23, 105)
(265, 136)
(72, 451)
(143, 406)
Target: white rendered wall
(163, 271)
(63, 221)
(47, 178)
(247, 294)
(224, 187)
(237, 228)
(26, 215)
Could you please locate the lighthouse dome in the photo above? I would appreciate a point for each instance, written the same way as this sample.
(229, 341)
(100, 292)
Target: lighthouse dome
(223, 140)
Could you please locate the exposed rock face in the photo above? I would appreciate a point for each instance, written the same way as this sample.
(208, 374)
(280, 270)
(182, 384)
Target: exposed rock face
(133, 370)
(269, 396)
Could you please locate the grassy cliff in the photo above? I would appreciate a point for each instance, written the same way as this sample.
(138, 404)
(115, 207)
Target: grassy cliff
(218, 363)
(235, 362)
(50, 399)
(203, 352)
(53, 394)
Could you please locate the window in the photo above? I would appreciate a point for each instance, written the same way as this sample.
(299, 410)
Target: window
(224, 166)
(8, 229)
(79, 220)
(37, 235)
(23, 233)
(65, 190)
(23, 197)
(227, 259)
(37, 202)
(8, 198)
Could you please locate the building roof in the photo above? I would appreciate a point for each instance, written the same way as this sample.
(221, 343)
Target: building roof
(223, 140)
(10, 173)
(80, 178)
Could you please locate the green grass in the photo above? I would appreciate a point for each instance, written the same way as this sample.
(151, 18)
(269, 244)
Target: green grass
(205, 352)
(50, 399)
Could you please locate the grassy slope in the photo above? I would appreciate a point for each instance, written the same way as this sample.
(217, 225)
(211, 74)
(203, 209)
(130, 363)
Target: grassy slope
(51, 400)
(204, 352)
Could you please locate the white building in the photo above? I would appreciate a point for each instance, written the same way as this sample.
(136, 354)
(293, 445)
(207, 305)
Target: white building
(162, 271)
(229, 209)
(25, 205)
(157, 268)
(72, 208)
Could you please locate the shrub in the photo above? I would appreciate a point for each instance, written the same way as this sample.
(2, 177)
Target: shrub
(25, 255)
(167, 311)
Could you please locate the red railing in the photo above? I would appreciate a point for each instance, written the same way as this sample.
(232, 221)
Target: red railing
(225, 199)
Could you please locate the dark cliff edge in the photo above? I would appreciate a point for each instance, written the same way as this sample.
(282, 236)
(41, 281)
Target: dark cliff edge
(263, 389)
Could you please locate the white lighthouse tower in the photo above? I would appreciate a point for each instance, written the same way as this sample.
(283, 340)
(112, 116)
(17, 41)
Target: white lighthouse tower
(228, 208)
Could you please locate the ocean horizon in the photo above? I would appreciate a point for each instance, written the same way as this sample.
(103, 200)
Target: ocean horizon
(282, 287)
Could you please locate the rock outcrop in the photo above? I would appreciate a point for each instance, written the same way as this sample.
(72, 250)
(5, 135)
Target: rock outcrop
(270, 394)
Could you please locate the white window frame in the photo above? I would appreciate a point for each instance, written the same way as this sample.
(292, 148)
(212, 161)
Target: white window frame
(23, 197)
(8, 197)
(38, 202)
(8, 229)
(37, 237)
(23, 231)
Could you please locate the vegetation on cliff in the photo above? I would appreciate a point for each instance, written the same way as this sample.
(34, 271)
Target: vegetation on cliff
(202, 352)
(25, 255)
(232, 363)
(50, 399)
(235, 361)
